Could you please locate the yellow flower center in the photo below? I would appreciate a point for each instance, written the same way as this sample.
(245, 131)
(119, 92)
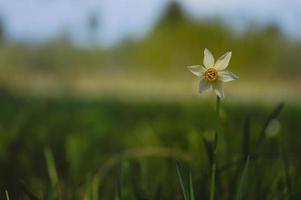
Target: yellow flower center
(211, 74)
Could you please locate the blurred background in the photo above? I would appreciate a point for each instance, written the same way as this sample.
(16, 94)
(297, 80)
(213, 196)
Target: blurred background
(85, 83)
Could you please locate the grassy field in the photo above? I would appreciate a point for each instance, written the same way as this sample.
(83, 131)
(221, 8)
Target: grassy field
(97, 149)
(88, 122)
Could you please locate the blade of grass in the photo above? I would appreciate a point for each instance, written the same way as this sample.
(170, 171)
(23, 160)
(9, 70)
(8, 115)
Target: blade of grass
(183, 183)
(285, 163)
(95, 185)
(29, 194)
(237, 165)
(118, 189)
(51, 167)
(209, 150)
(246, 138)
(50, 195)
(262, 134)
(212, 180)
(52, 173)
(157, 195)
(191, 190)
(243, 181)
(6, 194)
(138, 190)
(215, 140)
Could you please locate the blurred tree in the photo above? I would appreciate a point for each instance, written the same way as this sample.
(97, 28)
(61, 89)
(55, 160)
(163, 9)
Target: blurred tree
(93, 24)
(173, 14)
(273, 30)
(2, 36)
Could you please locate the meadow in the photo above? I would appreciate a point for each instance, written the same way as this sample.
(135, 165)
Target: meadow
(106, 149)
(126, 122)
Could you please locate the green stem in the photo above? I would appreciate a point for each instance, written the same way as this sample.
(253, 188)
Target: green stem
(218, 102)
(285, 163)
(212, 186)
(213, 164)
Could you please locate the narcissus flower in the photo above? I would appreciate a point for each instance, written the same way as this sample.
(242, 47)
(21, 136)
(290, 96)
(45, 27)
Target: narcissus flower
(213, 74)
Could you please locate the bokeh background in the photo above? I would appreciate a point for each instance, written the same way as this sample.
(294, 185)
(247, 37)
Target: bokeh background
(101, 89)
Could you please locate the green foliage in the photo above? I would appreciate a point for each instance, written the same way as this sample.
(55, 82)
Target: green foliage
(142, 140)
(6, 194)
(177, 40)
(51, 167)
(185, 180)
(242, 187)
(28, 193)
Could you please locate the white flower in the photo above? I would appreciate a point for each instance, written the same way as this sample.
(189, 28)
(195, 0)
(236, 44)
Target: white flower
(213, 74)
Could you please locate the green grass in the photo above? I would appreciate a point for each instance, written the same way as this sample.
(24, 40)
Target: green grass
(72, 149)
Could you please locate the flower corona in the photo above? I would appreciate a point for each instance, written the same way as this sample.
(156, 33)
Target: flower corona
(213, 74)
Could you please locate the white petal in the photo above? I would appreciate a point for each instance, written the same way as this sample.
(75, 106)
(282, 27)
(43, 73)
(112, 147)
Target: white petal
(226, 76)
(218, 88)
(208, 59)
(197, 69)
(203, 85)
(223, 62)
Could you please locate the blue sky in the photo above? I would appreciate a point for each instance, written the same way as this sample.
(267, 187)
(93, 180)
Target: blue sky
(37, 20)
